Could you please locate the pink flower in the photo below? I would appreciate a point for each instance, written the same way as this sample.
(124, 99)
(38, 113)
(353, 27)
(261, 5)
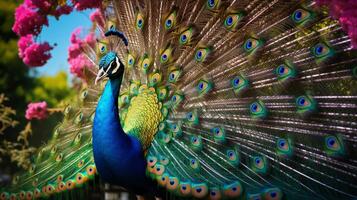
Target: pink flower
(74, 50)
(84, 4)
(90, 39)
(28, 21)
(23, 43)
(97, 17)
(78, 64)
(345, 12)
(75, 35)
(33, 54)
(36, 111)
(62, 10)
(31, 16)
(37, 55)
(44, 6)
(76, 58)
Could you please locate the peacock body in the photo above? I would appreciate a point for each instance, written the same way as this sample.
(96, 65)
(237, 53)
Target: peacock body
(210, 99)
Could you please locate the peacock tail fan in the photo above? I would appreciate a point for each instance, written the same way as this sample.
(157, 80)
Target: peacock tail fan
(230, 99)
(239, 99)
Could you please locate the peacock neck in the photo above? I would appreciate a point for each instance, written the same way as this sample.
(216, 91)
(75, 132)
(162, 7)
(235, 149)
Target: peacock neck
(106, 126)
(110, 95)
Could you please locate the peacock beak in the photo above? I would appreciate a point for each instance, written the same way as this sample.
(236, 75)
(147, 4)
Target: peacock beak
(101, 74)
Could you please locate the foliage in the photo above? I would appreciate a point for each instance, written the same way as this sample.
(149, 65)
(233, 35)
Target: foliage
(18, 152)
(53, 89)
(21, 88)
(6, 114)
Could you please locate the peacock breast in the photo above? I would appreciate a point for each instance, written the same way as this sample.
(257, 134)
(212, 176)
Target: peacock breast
(142, 116)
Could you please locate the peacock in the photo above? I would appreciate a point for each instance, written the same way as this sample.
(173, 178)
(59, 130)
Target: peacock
(209, 99)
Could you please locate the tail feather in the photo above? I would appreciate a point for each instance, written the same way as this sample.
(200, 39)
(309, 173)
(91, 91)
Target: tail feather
(271, 133)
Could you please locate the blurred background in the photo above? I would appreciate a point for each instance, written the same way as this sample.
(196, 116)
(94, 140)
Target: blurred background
(52, 83)
(27, 90)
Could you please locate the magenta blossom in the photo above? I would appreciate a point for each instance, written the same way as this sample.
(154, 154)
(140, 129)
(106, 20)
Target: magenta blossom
(90, 40)
(44, 6)
(62, 10)
(37, 55)
(97, 17)
(84, 4)
(74, 50)
(23, 43)
(37, 111)
(345, 12)
(28, 21)
(78, 64)
(75, 36)
(77, 60)
(33, 54)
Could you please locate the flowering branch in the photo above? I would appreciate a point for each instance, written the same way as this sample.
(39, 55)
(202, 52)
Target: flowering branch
(31, 16)
(76, 58)
(345, 12)
(18, 152)
(5, 115)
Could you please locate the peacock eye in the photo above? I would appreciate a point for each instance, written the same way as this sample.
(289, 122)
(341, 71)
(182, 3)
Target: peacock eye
(139, 21)
(170, 21)
(306, 104)
(204, 86)
(174, 75)
(252, 44)
(273, 193)
(259, 164)
(194, 163)
(145, 63)
(166, 55)
(189, 116)
(162, 92)
(196, 142)
(239, 84)
(284, 147)
(301, 16)
(177, 98)
(213, 4)
(285, 71)
(232, 20)
(258, 110)
(321, 51)
(334, 145)
(130, 61)
(155, 78)
(254, 107)
(201, 54)
(185, 36)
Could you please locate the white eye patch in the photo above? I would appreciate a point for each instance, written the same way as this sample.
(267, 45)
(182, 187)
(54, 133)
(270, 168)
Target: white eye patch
(118, 65)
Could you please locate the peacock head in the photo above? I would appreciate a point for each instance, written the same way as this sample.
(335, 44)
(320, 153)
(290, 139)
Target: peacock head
(109, 66)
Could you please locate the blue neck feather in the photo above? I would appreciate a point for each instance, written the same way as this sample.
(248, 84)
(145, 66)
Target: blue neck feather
(118, 156)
